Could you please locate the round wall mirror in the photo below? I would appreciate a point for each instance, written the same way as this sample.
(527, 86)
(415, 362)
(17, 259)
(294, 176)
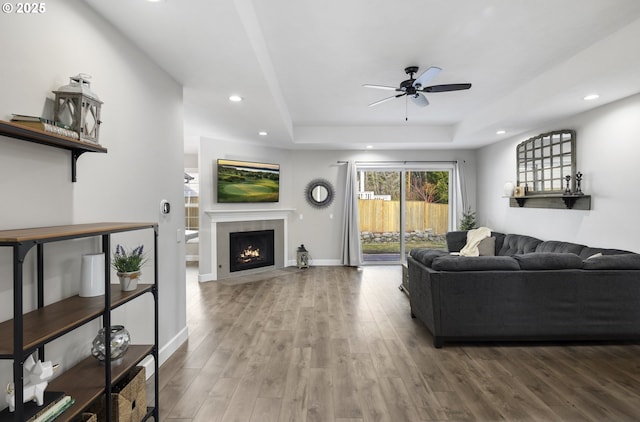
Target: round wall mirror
(319, 193)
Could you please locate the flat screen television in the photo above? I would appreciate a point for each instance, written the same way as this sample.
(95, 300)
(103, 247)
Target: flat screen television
(245, 181)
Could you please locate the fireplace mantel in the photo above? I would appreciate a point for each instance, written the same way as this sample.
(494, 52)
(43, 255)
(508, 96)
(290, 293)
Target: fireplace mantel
(224, 216)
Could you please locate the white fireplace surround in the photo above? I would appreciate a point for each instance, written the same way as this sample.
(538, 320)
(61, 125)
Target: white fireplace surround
(217, 217)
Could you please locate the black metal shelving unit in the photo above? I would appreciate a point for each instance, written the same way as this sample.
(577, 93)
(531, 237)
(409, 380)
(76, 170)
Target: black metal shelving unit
(31, 331)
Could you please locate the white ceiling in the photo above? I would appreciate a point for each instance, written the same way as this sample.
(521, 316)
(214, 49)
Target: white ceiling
(300, 66)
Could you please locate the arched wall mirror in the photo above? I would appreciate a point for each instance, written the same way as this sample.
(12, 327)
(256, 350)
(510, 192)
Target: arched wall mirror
(319, 193)
(545, 161)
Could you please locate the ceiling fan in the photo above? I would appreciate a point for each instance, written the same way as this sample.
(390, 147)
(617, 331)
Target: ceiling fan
(414, 88)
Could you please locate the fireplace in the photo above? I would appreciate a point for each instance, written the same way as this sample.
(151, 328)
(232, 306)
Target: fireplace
(251, 249)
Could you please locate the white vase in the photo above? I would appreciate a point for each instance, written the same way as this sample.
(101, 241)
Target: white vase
(508, 189)
(92, 275)
(129, 281)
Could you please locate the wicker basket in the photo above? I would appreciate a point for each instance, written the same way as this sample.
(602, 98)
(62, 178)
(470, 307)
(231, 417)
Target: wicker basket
(128, 399)
(87, 417)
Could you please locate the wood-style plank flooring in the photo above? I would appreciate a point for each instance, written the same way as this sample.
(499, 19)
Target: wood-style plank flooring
(337, 344)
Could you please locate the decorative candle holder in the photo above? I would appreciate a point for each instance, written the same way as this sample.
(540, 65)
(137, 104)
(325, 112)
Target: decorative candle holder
(579, 184)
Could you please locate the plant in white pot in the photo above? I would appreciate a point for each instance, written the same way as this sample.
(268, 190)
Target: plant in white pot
(128, 265)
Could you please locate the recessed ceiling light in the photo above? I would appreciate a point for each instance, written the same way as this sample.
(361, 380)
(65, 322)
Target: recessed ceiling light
(155, 1)
(501, 132)
(262, 133)
(591, 97)
(235, 98)
(369, 146)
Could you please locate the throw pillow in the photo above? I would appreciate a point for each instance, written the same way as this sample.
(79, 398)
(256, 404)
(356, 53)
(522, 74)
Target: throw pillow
(473, 238)
(487, 247)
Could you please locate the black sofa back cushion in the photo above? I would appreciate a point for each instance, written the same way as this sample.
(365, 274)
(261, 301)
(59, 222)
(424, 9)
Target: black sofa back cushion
(475, 263)
(518, 244)
(559, 247)
(548, 261)
(627, 261)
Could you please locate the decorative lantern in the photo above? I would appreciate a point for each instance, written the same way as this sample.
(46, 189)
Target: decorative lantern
(302, 257)
(79, 108)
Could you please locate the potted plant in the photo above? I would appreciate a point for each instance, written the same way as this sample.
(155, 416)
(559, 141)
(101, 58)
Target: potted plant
(128, 265)
(468, 220)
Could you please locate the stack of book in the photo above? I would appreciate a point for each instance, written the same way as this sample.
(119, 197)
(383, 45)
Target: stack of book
(55, 403)
(45, 125)
(53, 410)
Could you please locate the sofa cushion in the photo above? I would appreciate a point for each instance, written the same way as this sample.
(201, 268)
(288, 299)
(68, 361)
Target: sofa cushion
(627, 261)
(559, 247)
(426, 255)
(456, 240)
(548, 261)
(487, 247)
(588, 252)
(518, 244)
(475, 263)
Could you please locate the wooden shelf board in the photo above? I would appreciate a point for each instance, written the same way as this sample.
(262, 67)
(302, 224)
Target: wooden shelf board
(85, 381)
(52, 321)
(9, 237)
(25, 133)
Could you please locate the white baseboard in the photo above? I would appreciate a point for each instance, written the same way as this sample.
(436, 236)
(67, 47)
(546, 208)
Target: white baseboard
(206, 277)
(165, 352)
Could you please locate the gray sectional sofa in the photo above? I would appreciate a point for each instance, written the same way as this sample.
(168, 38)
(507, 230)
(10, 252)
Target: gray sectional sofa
(525, 289)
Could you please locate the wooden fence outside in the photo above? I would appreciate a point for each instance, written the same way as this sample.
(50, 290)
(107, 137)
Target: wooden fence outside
(379, 216)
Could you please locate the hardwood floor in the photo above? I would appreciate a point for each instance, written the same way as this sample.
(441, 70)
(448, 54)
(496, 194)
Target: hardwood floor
(338, 344)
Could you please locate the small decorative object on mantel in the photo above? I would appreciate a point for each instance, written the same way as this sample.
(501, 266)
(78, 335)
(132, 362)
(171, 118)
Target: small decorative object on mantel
(508, 189)
(579, 184)
(119, 340)
(567, 190)
(128, 265)
(79, 108)
(302, 257)
(519, 191)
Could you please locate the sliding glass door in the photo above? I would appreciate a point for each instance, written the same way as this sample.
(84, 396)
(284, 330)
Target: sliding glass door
(401, 208)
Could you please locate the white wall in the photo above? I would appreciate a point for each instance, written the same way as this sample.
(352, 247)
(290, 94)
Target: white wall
(320, 230)
(607, 155)
(142, 129)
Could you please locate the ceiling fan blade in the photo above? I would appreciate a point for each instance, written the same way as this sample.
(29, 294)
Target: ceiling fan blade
(420, 100)
(426, 76)
(445, 88)
(386, 99)
(389, 88)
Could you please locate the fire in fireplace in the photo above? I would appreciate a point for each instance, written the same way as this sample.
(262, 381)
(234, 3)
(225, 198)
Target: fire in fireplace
(252, 249)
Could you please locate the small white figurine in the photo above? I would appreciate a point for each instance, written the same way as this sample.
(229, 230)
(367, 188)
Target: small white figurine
(37, 376)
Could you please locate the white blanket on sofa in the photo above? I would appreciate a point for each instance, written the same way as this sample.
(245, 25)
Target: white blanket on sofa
(474, 237)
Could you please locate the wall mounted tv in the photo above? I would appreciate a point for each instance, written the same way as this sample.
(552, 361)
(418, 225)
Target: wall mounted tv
(244, 181)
